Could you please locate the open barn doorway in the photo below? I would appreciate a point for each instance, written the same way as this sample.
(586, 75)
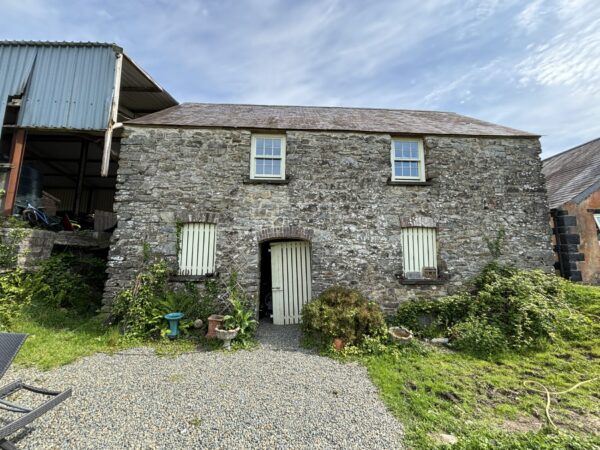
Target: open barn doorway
(60, 172)
(285, 280)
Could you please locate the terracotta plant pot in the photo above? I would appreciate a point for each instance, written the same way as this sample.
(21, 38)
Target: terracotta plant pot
(214, 321)
(338, 344)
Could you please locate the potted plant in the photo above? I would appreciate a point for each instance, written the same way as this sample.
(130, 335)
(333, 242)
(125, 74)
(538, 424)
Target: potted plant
(338, 344)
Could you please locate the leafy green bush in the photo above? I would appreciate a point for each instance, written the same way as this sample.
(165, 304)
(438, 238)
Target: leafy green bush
(343, 313)
(140, 310)
(14, 296)
(477, 335)
(241, 313)
(523, 309)
(135, 308)
(69, 281)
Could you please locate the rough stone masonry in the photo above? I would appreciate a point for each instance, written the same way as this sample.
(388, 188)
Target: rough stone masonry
(337, 195)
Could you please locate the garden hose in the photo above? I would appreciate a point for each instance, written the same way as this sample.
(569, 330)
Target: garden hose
(549, 394)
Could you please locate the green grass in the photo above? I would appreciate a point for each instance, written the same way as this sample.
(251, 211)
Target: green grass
(58, 337)
(484, 402)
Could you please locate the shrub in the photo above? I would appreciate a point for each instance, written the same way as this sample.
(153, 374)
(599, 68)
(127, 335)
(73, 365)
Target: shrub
(343, 313)
(69, 281)
(241, 313)
(135, 308)
(523, 309)
(140, 310)
(477, 335)
(14, 296)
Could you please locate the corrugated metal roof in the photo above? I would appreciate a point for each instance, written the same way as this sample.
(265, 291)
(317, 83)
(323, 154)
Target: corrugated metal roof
(393, 121)
(572, 173)
(15, 67)
(69, 85)
(65, 86)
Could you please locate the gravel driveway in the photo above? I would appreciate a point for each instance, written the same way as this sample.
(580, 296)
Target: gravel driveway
(277, 396)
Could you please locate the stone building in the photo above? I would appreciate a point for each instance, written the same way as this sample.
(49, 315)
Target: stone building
(395, 203)
(573, 180)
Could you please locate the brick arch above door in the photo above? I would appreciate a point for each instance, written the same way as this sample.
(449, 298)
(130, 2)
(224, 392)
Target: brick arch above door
(286, 232)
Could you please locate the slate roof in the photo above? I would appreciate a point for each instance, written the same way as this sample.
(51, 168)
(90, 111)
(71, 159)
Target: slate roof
(573, 175)
(391, 121)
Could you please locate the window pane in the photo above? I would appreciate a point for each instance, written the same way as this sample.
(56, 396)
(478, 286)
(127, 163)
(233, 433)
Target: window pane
(414, 169)
(260, 168)
(276, 167)
(406, 169)
(268, 146)
(260, 146)
(406, 150)
(276, 147)
(268, 167)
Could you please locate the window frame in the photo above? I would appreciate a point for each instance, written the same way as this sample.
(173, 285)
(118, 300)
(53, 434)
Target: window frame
(254, 157)
(420, 161)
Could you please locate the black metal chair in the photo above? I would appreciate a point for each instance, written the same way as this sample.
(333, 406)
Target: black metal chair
(10, 343)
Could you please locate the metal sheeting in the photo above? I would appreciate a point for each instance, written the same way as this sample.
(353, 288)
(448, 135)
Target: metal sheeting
(15, 67)
(70, 85)
(69, 88)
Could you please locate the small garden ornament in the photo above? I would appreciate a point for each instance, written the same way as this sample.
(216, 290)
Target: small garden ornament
(174, 319)
(400, 335)
(227, 336)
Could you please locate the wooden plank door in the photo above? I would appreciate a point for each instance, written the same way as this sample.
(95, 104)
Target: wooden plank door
(291, 280)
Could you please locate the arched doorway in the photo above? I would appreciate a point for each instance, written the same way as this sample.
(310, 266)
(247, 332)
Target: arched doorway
(285, 277)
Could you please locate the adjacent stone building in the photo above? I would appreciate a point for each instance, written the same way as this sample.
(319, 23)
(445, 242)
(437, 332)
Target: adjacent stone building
(573, 180)
(395, 203)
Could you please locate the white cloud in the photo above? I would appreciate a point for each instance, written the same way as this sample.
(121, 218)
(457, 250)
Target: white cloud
(572, 56)
(531, 66)
(531, 17)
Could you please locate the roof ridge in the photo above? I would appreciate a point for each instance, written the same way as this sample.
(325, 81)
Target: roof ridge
(322, 107)
(6, 43)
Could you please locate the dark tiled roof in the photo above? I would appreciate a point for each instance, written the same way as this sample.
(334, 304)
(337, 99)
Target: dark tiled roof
(570, 174)
(324, 118)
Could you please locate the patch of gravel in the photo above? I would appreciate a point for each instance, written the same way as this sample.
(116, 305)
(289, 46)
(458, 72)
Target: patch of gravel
(276, 396)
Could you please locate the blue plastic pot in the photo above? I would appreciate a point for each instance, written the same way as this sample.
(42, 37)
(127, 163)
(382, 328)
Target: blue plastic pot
(174, 319)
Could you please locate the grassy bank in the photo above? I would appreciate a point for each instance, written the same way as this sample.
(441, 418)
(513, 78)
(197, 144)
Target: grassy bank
(484, 402)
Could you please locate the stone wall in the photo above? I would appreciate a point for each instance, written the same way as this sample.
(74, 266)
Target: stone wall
(34, 246)
(338, 197)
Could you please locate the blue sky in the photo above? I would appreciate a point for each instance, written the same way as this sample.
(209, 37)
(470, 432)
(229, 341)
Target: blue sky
(529, 65)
